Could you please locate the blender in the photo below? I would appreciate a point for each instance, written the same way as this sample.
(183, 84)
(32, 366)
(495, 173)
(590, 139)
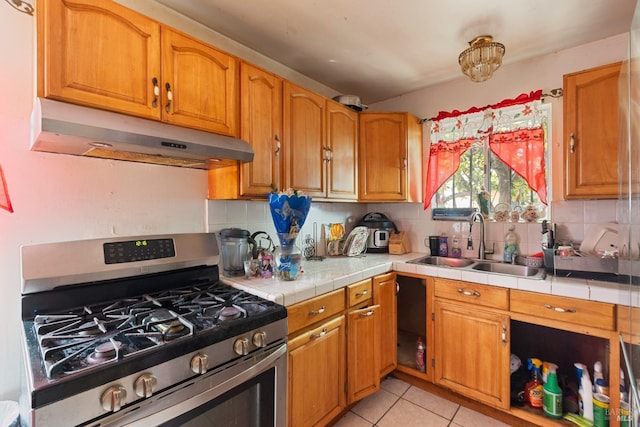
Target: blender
(237, 246)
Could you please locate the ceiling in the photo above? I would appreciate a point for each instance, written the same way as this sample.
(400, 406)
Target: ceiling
(378, 49)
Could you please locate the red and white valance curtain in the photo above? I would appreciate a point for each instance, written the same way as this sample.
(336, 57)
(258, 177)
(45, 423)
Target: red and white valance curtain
(514, 134)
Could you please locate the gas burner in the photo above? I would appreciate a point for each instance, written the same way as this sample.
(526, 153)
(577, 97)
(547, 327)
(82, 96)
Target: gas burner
(166, 322)
(105, 351)
(89, 329)
(229, 313)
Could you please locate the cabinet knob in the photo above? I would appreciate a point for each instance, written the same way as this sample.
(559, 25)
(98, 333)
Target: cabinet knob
(363, 293)
(277, 145)
(167, 107)
(320, 311)
(559, 309)
(572, 143)
(368, 313)
(156, 92)
(320, 335)
(468, 293)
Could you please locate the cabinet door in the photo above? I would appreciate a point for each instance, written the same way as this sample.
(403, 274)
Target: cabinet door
(472, 352)
(591, 133)
(383, 156)
(199, 85)
(317, 367)
(304, 140)
(384, 295)
(100, 54)
(261, 127)
(363, 367)
(342, 152)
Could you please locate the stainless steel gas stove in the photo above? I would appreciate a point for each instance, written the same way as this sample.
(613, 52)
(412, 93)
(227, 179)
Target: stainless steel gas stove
(139, 331)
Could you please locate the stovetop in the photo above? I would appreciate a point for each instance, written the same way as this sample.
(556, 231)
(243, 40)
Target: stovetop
(87, 337)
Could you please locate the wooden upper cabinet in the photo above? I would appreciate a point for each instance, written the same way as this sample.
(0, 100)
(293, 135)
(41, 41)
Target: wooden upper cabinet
(390, 162)
(203, 84)
(342, 152)
(261, 127)
(591, 133)
(304, 140)
(104, 55)
(100, 54)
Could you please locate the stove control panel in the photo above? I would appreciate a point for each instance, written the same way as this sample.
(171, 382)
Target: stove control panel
(138, 250)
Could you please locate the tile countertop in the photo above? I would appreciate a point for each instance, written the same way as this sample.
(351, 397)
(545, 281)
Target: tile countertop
(320, 277)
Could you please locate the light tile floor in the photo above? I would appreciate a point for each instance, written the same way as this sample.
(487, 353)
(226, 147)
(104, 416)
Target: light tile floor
(401, 404)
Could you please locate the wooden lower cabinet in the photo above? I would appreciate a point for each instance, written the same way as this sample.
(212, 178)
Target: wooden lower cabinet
(316, 376)
(472, 352)
(363, 367)
(384, 295)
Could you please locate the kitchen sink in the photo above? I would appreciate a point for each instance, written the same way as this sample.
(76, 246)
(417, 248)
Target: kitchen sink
(442, 261)
(488, 266)
(510, 269)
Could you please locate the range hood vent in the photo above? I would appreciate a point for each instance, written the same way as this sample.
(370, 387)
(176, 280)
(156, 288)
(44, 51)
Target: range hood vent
(59, 127)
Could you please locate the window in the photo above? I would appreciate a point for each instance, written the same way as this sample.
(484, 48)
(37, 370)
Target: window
(498, 151)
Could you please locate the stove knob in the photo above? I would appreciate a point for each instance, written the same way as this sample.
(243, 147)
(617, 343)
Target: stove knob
(241, 346)
(113, 398)
(200, 363)
(145, 384)
(260, 339)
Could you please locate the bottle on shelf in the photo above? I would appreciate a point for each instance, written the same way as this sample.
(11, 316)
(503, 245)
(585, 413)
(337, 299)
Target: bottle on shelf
(420, 366)
(443, 249)
(599, 383)
(585, 391)
(533, 389)
(551, 393)
(456, 251)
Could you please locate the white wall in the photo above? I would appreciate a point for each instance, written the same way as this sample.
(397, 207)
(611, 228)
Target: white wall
(58, 197)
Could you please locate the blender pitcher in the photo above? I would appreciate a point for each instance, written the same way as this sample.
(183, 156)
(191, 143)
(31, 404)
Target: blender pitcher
(237, 246)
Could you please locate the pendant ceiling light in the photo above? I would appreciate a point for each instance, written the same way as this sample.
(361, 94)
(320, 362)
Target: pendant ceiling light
(482, 58)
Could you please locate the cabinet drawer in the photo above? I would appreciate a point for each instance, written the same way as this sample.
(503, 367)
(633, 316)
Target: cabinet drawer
(484, 295)
(597, 314)
(358, 292)
(315, 309)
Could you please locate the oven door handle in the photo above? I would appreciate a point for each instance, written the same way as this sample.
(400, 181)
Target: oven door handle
(171, 412)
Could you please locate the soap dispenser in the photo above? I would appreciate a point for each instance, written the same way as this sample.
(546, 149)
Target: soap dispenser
(510, 245)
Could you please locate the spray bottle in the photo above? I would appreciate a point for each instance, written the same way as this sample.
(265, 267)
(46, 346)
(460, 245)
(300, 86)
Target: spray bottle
(551, 392)
(585, 391)
(533, 389)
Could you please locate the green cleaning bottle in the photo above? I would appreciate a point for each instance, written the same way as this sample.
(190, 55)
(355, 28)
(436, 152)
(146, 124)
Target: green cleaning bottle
(552, 394)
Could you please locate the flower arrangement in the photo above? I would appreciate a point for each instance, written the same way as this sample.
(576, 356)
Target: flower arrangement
(289, 210)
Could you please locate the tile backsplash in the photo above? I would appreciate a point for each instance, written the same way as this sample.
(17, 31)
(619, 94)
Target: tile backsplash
(574, 220)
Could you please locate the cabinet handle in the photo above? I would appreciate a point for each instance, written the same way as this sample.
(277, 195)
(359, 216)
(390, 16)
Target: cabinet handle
(314, 312)
(560, 309)
(277, 146)
(363, 293)
(320, 335)
(572, 143)
(404, 163)
(468, 293)
(169, 97)
(368, 313)
(504, 334)
(156, 92)
(329, 154)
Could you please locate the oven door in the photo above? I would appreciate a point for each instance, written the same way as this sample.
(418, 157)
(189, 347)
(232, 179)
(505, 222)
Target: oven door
(248, 392)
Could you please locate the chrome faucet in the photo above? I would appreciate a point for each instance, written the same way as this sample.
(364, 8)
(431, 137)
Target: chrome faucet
(482, 251)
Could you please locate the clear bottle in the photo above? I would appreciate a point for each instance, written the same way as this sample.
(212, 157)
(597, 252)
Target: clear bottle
(510, 245)
(420, 366)
(456, 251)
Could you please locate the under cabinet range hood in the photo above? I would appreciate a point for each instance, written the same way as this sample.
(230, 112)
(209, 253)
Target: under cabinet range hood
(59, 127)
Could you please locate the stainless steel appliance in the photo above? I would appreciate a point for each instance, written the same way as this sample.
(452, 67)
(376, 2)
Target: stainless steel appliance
(59, 127)
(380, 228)
(139, 331)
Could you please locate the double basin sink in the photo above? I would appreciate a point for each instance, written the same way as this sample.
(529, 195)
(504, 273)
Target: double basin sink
(482, 265)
